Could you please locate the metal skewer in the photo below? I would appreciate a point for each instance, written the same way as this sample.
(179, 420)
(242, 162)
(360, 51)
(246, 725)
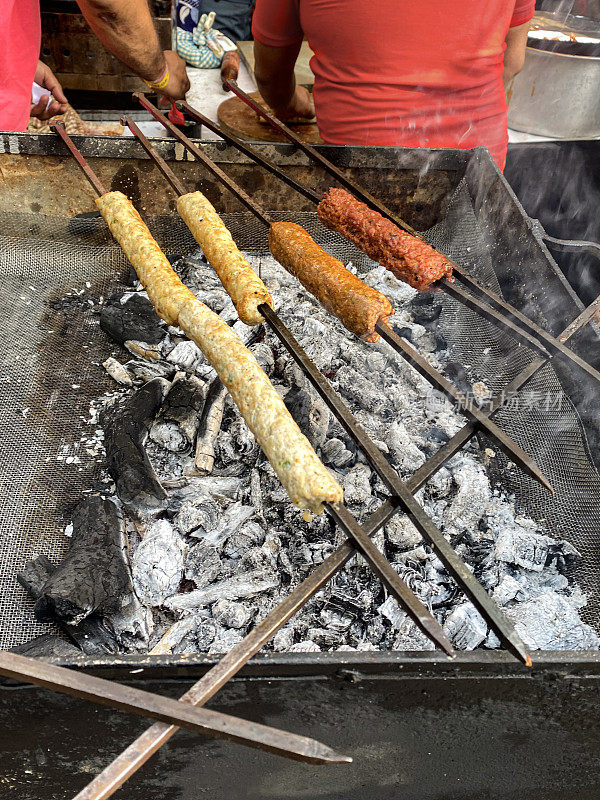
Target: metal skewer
(453, 563)
(451, 560)
(506, 443)
(173, 712)
(527, 330)
(311, 195)
(131, 759)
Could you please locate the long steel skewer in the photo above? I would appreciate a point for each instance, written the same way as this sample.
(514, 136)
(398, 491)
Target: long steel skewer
(136, 755)
(528, 331)
(405, 596)
(508, 445)
(310, 194)
(453, 563)
(166, 710)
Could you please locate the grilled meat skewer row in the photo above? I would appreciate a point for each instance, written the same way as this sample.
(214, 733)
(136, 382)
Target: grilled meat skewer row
(410, 259)
(358, 306)
(365, 312)
(306, 480)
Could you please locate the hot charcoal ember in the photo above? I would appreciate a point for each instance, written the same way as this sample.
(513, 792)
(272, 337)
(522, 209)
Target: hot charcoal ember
(232, 546)
(177, 422)
(125, 433)
(410, 259)
(131, 316)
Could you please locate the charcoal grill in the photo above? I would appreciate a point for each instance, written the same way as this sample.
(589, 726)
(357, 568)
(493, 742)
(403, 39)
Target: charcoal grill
(460, 197)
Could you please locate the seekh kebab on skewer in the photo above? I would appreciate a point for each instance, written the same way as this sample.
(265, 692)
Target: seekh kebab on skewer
(291, 455)
(409, 258)
(358, 306)
(239, 280)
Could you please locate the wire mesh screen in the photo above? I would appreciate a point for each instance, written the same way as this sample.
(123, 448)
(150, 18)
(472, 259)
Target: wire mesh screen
(541, 416)
(51, 352)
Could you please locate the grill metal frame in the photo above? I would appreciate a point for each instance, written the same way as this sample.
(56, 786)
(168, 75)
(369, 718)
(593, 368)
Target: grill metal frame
(352, 159)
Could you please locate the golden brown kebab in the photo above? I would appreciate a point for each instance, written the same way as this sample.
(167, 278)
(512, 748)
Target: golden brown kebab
(306, 480)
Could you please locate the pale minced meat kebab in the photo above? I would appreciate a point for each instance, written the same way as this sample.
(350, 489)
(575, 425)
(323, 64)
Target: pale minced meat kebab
(306, 480)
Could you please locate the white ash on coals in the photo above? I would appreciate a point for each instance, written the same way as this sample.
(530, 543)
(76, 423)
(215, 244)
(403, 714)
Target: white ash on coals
(231, 545)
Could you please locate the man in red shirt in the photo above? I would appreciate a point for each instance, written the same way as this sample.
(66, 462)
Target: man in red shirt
(124, 27)
(421, 73)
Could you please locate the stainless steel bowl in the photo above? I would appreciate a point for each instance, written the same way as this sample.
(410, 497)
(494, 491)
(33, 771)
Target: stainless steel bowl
(556, 95)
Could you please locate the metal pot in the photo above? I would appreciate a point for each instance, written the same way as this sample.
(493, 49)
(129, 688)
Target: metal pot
(556, 95)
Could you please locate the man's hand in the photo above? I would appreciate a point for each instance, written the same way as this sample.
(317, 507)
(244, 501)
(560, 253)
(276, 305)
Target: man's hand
(179, 82)
(45, 78)
(301, 105)
(126, 29)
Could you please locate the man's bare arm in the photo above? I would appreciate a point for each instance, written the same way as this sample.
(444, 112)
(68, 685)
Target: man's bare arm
(126, 29)
(514, 55)
(274, 72)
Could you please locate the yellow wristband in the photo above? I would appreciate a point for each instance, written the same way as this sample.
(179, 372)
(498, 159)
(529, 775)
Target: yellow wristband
(161, 83)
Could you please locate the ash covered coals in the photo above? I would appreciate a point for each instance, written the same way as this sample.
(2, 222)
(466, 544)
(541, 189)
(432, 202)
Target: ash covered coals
(229, 546)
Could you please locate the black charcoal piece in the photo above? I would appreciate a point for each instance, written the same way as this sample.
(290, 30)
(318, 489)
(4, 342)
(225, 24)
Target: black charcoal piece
(230, 614)
(335, 453)
(177, 423)
(131, 316)
(202, 564)
(34, 575)
(91, 635)
(46, 646)
(141, 371)
(457, 374)
(437, 436)
(425, 308)
(94, 577)
(403, 331)
(125, 433)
